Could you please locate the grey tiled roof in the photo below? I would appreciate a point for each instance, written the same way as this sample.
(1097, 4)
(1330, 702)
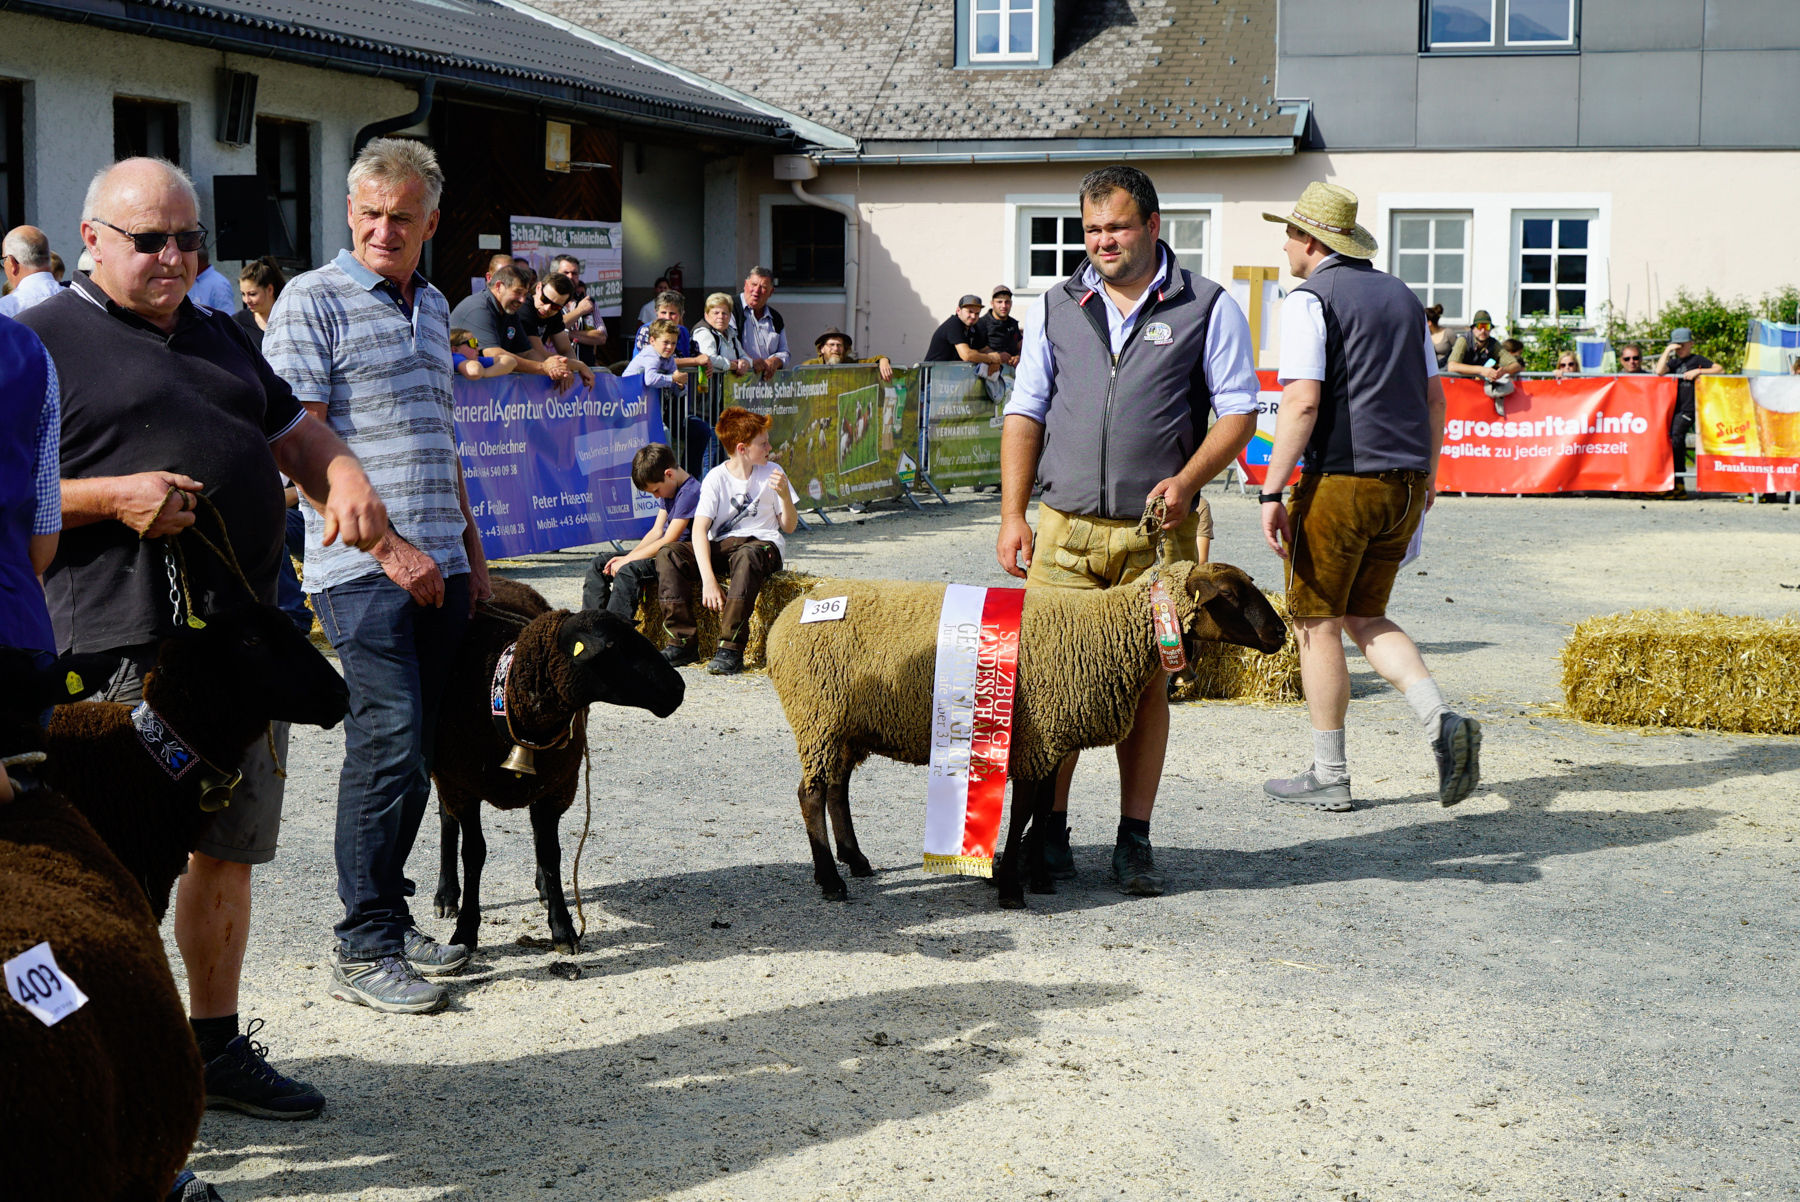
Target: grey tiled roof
(885, 69)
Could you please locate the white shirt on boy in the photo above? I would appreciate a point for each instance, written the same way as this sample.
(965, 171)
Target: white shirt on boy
(743, 508)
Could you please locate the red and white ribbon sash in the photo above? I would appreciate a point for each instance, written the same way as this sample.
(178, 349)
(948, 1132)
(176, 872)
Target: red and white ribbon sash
(971, 727)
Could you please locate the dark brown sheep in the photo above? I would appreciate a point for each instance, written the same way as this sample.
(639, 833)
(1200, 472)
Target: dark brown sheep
(219, 687)
(562, 663)
(106, 1103)
(862, 686)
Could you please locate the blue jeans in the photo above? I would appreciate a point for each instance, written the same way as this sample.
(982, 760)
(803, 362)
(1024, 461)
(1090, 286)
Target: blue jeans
(287, 585)
(397, 657)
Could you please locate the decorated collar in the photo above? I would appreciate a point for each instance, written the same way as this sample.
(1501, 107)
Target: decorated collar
(177, 757)
(502, 716)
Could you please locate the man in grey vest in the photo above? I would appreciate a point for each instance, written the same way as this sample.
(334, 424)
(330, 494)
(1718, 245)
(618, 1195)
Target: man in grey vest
(1118, 366)
(1362, 399)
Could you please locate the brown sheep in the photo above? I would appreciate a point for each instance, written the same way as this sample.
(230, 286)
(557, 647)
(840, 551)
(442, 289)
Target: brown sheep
(862, 686)
(106, 1103)
(562, 663)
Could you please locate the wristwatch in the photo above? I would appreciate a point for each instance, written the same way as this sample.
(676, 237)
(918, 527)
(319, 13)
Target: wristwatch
(1268, 498)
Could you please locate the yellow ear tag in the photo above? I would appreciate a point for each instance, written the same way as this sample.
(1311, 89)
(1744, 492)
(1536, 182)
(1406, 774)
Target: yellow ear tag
(579, 646)
(72, 682)
(195, 623)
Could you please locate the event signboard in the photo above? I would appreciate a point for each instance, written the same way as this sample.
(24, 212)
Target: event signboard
(597, 245)
(962, 438)
(1253, 460)
(548, 470)
(1749, 433)
(839, 432)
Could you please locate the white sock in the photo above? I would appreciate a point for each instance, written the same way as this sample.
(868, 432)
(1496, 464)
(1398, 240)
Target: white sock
(1427, 701)
(1330, 764)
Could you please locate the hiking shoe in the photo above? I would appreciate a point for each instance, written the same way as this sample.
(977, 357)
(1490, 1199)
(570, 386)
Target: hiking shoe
(678, 655)
(1134, 867)
(1458, 751)
(239, 1078)
(726, 661)
(1058, 858)
(430, 958)
(189, 1188)
(1308, 790)
(389, 984)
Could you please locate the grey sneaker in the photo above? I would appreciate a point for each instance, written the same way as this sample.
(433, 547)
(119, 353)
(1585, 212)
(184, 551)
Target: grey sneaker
(726, 661)
(1308, 790)
(1134, 867)
(388, 984)
(1458, 751)
(678, 655)
(430, 958)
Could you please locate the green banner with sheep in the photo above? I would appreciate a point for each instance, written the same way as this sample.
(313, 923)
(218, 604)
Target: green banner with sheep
(840, 433)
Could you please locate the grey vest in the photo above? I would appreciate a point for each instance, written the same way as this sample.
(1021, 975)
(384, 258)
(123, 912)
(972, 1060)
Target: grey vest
(1372, 411)
(1117, 428)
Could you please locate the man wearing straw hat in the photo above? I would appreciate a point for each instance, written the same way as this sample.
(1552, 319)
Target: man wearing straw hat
(1361, 399)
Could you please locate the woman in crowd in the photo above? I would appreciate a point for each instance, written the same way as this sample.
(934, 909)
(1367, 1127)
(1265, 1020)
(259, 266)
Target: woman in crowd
(260, 283)
(1567, 365)
(1441, 339)
(717, 337)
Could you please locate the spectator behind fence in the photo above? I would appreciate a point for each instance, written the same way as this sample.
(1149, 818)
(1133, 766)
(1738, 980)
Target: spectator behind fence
(1567, 364)
(1441, 339)
(495, 263)
(26, 259)
(647, 311)
(259, 283)
(1681, 360)
(365, 340)
(954, 340)
(717, 338)
(492, 315)
(834, 349)
(1477, 352)
(617, 582)
(584, 325)
(541, 318)
(760, 326)
(1631, 359)
(746, 505)
(671, 306)
(656, 364)
(998, 330)
(471, 364)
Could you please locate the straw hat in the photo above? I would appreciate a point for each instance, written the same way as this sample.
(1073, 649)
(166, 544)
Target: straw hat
(1328, 213)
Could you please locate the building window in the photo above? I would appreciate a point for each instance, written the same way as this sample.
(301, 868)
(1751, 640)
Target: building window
(146, 127)
(1431, 256)
(12, 154)
(1476, 25)
(1550, 266)
(807, 243)
(1053, 248)
(1003, 31)
(284, 163)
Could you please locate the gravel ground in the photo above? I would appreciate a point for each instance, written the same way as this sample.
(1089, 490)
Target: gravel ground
(1580, 983)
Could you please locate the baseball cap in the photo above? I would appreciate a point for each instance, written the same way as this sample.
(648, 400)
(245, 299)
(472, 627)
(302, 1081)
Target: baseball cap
(1002, 290)
(1681, 334)
(969, 298)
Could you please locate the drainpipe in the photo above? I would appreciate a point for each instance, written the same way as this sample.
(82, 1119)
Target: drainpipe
(370, 132)
(797, 169)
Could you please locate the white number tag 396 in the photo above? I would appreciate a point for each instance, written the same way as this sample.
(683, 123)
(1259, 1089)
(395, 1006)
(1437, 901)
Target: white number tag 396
(826, 609)
(36, 983)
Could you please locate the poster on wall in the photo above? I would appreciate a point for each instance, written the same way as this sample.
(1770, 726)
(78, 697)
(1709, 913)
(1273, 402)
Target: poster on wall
(839, 432)
(597, 245)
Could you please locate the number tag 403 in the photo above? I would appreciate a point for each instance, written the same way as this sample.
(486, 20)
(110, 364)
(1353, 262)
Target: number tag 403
(36, 983)
(826, 609)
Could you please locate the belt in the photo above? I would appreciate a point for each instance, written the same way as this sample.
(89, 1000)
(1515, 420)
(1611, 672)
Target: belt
(1392, 475)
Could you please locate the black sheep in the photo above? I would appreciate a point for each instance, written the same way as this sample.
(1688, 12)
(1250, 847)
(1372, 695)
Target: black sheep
(561, 663)
(219, 687)
(106, 1103)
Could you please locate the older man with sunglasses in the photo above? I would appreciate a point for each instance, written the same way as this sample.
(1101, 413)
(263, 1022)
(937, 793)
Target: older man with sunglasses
(165, 403)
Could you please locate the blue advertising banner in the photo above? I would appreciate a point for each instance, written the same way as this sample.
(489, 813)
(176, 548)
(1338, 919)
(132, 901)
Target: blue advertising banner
(548, 470)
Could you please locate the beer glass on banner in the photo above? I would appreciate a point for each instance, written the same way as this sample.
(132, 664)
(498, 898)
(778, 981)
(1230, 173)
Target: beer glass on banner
(1777, 415)
(1727, 425)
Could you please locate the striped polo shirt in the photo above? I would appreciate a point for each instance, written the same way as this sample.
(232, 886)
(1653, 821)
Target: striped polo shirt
(339, 337)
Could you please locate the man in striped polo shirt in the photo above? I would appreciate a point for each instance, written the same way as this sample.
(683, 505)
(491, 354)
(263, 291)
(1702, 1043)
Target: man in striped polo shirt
(365, 343)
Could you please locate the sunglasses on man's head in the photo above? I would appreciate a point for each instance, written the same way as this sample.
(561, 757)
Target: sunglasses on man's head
(151, 242)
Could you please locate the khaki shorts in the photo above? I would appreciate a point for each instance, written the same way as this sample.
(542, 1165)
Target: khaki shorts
(1074, 551)
(1350, 533)
(245, 831)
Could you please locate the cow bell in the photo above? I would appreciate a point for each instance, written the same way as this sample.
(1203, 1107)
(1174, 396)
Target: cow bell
(520, 762)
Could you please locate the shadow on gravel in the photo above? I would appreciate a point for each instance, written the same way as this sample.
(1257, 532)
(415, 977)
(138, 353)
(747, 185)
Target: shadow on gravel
(649, 1115)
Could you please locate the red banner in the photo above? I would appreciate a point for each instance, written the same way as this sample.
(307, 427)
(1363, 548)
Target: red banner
(1586, 434)
(1749, 433)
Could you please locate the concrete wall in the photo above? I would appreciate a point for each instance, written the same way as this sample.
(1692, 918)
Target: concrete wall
(73, 72)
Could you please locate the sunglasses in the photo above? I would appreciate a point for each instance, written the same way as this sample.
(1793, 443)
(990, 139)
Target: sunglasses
(1631, 358)
(151, 242)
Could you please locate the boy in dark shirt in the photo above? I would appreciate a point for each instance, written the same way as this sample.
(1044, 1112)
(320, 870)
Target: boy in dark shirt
(616, 582)
(998, 330)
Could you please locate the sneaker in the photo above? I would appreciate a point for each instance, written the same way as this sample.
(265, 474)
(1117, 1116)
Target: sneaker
(726, 661)
(239, 1078)
(1058, 857)
(388, 984)
(1308, 790)
(433, 959)
(189, 1188)
(1134, 867)
(680, 655)
(1458, 751)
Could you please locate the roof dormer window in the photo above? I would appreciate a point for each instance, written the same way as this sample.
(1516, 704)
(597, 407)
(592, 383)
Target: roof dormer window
(1004, 33)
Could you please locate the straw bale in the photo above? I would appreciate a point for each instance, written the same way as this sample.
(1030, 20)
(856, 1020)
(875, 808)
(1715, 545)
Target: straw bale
(1222, 672)
(777, 591)
(1658, 667)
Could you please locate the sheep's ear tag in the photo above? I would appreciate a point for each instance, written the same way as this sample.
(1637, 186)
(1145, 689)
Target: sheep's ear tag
(580, 646)
(195, 623)
(72, 682)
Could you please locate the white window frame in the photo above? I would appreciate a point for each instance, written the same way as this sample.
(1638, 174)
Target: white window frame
(765, 243)
(1495, 40)
(1501, 41)
(1021, 208)
(1506, 38)
(1006, 16)
(1432, 286)
(1519, 217)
